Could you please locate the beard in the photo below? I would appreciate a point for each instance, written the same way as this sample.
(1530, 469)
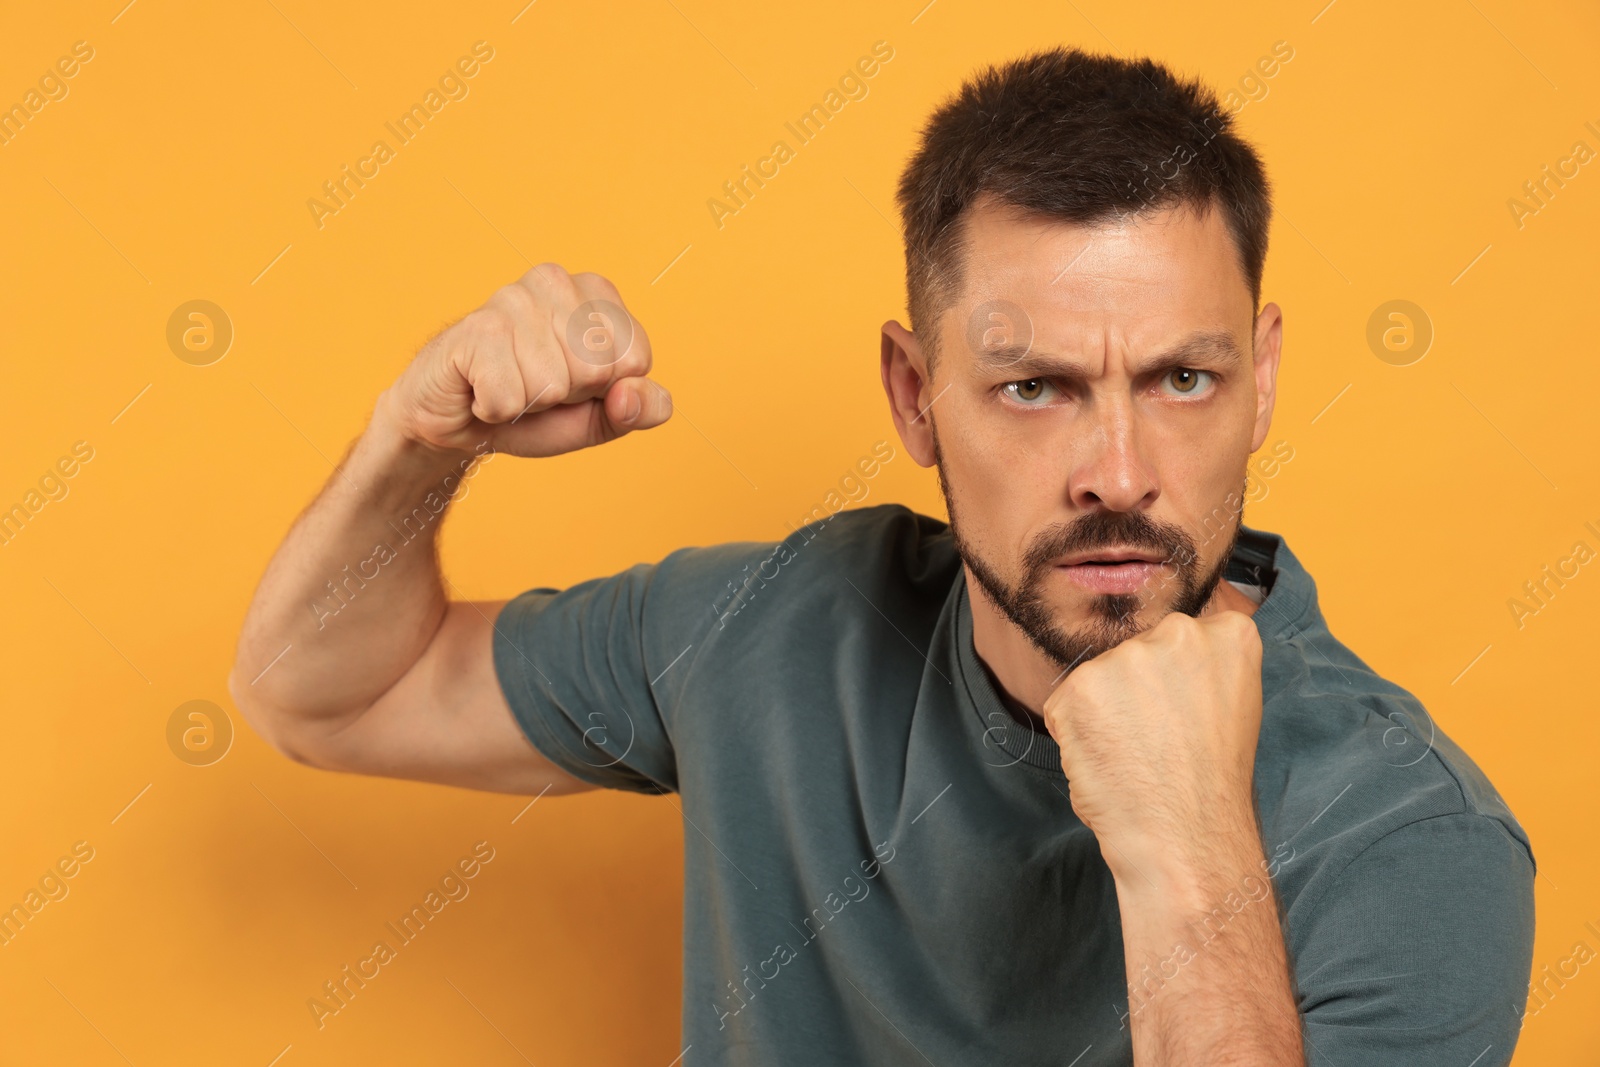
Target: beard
(1113, 617)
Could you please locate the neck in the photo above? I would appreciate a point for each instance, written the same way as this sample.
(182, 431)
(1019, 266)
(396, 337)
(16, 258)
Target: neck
(1022, 674)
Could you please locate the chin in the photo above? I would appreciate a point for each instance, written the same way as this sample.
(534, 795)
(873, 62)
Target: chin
(1127, 611)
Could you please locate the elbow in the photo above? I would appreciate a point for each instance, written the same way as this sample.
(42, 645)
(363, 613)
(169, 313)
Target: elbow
(271, 724)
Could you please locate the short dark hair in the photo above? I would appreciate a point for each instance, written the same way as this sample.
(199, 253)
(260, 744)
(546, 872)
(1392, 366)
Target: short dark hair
(1082, 138)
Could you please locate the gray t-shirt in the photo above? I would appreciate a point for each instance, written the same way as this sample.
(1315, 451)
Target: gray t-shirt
(882, 866)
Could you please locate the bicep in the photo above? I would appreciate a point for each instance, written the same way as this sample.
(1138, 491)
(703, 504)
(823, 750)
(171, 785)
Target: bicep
(447, 720)
(555, 688)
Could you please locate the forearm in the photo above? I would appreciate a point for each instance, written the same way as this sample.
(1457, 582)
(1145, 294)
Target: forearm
(1208, 973)
(353, 595)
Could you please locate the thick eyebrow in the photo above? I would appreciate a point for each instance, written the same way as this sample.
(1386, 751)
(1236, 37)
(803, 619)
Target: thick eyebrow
(1202, 350)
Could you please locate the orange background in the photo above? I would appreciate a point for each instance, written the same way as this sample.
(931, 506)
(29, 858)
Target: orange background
(178, 168)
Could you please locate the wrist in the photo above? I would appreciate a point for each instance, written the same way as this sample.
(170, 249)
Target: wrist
(407, 466)
(398, 438)
(1193, 872)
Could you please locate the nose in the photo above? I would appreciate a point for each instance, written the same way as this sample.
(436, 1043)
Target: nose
(1110, 470)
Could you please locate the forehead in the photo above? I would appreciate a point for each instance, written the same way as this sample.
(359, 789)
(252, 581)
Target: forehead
(1142, 279)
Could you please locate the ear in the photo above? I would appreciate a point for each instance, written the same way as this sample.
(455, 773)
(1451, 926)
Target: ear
(1268, 348)
(905, 380)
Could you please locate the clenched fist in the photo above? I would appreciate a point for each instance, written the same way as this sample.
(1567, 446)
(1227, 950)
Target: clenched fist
(551, 363)
(1158, 741)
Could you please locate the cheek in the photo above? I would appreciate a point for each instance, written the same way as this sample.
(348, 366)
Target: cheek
(1007, 466)
(1202, 473)
(999, 478)
(1207, 445)
(1210, 514)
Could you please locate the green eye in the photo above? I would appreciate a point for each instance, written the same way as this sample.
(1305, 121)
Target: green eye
(1028, 390)
(1185, 381)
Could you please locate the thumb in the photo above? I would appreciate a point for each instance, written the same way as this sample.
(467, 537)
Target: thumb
(636, 403)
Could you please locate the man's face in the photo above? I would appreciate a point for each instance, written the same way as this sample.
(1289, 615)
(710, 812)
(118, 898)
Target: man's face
(1097, 393)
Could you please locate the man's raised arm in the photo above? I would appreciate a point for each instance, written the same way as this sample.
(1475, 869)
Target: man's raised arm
(352, 657)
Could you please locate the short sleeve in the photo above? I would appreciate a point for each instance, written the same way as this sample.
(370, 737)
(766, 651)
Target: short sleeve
(1419, 952)
(571, 664)
(593, 672)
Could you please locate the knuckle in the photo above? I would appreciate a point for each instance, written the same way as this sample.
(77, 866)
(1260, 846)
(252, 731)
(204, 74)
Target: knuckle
(1082, 680)
(590, 282)
(494, 405)
(1135, 654)
(494, 392)
(516, 298)
(1248, 636)
(1234, 625)
(551, 276)
(490, 324)
(555, 388)
(1177, 626)
(638, 359)
(633, 364)
(601, 335)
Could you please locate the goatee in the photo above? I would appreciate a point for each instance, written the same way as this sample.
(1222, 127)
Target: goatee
(1114, 616)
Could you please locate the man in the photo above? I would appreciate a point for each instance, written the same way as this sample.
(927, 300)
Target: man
(1081, 777)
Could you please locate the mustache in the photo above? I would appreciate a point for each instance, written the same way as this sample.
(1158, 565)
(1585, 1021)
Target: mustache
(1106, 529)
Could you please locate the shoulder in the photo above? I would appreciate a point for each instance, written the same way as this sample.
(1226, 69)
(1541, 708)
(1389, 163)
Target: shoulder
(869, 548)
(889, 541)
(1419, 949)
(1407, 883)
(823, 584)
(1359, 769)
